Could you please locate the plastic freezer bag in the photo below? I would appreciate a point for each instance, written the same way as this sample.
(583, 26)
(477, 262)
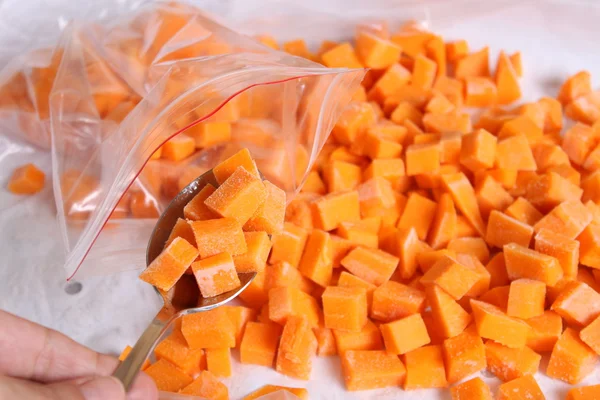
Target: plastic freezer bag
(109, 96)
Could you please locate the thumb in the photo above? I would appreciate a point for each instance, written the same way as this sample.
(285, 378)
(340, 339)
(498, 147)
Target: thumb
(102, 387)
(97, 388)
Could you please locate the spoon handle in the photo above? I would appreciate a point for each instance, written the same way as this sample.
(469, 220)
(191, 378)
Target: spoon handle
(132, 364)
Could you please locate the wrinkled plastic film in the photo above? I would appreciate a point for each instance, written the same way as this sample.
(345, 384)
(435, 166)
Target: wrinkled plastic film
(106, 123)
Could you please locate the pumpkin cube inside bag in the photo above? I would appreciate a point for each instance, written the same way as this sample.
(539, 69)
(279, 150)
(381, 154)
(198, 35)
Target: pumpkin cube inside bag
(27, 179)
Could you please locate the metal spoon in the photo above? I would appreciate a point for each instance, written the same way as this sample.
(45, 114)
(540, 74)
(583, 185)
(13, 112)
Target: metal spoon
(184, 298)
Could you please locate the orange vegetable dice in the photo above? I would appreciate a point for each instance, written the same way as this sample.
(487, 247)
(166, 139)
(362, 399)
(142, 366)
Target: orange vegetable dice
(545, 330)
(254, 259)
(345, 308)
(297, 48)
(369, 338)
(508, 364)
(452, 276)
(372, 265)
(374, 195)
(405, 334)
(354, 121)
(424, 72)
(331, 210)
(473, 64)
(406, 111)
(395, 77)
(223, 235)
(390, 169)
(218, 361)
(256, 294)
(270, 214)
(503, 229)
(497, 296)
(575, 86)
(523, 388)
(288, 244)
(283, 274)
(317, 260)
(216, 274)
(297, 347)
(464, 198)
(286, 302)
(167, 376)
(313, 184)
(473, 389)
(371, 369)
(478, 150)
(579, 141)
(178, 148)
(325, 342)
(301, 393)
(207, 386)
(589, 246)
(422, 158)
(550, 190)
(565, 250)
(207, 134)
(27, 179)
(583, 393)
(506, 80)
(591, 187)
(341, 175)
(259, 343)
(443, 227)
(480, 92)
(522, 262)
(577, 303)
(514, 152)
(569, 218)
(456, 50)
(170, 265)
(522, 210)
(341, 56)
(590, 335)
(449, 317)
(418, 214)
(393, 300)
(436, 50)
(341, 247)
(464, 355)
(571, 359)
(451, 88)
(425, 368)
(196, 210)
(239, 317)
(526, 298)
(239, 197)
(521, 125)
(497, 269)
(491, 196)
(208, 330)
(494, 324)
(226, 168)
(375, 52)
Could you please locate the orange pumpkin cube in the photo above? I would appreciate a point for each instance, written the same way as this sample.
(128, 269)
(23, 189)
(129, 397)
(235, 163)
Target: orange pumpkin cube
(211, 329)
(283, 274)
(175, 349)
(239, 197)
(167, 376)
(571, 359)
(393, 300)
(369, 338)
(269, 215)
(578, 304)
(372, 265)
(473, 389)
(545, 330)
(331, 210)
(523, 388)
(288, 245)
(196, 210)
(286, 302)
(297, 347)
(222, 235)
(583, 393)
(494, 324)
(371, 369)
(259, 343)
(170, 265)
(226, 168)
(254, 259)
(425, 368)
(464, 355)
(206, 134)
(301, 393)
(345, 308)
(508, 364)
(178, 148)
(449, 317)
(526, 298)
(216, 274)
(218, 361)
(317, 260)
(522, 262)
(27, 179)
(207, 386)
(405, 334)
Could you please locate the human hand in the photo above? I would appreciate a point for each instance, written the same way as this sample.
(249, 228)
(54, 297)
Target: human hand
(38, 363)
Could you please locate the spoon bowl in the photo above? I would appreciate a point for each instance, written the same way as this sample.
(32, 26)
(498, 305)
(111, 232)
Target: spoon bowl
(184, 298)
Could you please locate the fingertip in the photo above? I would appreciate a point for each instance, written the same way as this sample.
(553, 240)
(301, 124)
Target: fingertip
(143, 388)
(101, 388)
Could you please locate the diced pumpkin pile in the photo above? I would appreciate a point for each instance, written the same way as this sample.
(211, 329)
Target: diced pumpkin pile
(426, 245)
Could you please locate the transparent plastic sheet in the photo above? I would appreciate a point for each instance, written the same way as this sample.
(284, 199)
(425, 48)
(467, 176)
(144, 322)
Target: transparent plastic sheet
(109, 95)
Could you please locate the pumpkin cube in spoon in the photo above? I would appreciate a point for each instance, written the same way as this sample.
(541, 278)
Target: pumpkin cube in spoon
(170, 265)
(270, 214)
(216, 275)
(240, 159)
(222, 235)
(239, 197)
